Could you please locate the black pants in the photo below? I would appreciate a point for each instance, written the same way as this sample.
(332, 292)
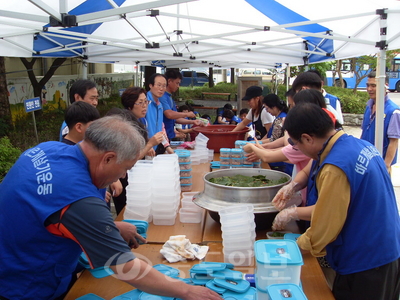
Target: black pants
(382, 283)
(120, 201)
(160, 149)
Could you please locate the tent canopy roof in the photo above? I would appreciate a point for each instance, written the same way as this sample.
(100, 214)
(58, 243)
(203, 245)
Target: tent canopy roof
(184, 33)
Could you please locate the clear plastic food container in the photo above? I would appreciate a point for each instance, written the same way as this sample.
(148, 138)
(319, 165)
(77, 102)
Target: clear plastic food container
(185, 166)
(186, 187)
(224, 152)
(236, 153)
(186, 215)
(185, 173)
(186, 180)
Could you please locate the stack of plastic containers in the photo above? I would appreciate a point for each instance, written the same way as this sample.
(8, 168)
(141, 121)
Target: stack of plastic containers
(236, 158)
(201, 152)
(233, 158)
(241, 143)
(210, 154)
(165, 189)
(201, 141)
(190, 212)
(185, 169)
(246, 163)
(215, 165)
(257, 164)
(225, 158)
(278, 262)
(238, 234)
(138, 191)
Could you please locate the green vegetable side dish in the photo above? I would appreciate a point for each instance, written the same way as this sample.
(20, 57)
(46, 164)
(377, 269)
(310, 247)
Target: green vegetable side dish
(277, 234)
(247, 181)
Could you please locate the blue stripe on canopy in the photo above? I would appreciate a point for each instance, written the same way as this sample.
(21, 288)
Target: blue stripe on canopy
(158, 63)
(282, 15)
(89, 6)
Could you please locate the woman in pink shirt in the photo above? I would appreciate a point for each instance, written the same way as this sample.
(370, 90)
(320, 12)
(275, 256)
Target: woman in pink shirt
(288, 153)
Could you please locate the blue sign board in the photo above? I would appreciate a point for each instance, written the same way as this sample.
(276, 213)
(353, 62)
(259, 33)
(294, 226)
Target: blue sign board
(121, 91)
(32, 104)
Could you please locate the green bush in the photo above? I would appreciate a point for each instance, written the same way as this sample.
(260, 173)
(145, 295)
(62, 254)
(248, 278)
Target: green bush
(8, 155)
(351, 103)
(4, 125)
(195, 92)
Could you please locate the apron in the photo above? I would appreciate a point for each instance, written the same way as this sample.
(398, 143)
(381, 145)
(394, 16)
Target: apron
(258, 127)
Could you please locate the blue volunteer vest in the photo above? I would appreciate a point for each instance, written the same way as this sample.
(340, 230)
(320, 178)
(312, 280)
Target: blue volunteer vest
(280, 166)
(36, 264)
(168, 103)
(371, 234)
(236, 119)
(368, 127)
(220, 111)
(186, 126)
(63, 126)
(154, 117)
(332, 99)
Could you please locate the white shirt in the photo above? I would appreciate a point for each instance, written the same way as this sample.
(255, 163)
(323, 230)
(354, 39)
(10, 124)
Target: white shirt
(266, 117)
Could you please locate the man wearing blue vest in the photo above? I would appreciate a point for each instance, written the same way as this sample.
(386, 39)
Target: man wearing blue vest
(52, 210)
(391, 123)
(312, 80)
(171, 115)
(154, 114)
(355, 220)
(81, 90)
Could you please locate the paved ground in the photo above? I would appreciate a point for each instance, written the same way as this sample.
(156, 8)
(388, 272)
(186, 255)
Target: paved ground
(356, 131)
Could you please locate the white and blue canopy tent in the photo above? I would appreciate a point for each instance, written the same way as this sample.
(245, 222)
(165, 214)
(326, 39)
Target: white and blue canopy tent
(203, 33)
(226, 33)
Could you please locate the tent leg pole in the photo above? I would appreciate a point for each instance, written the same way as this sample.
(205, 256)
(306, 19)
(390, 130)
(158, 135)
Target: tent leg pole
(380, 100)
(287, 74)
(84, 70)
(380, 79)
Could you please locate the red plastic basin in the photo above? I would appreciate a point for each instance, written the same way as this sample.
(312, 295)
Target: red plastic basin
(221, 136)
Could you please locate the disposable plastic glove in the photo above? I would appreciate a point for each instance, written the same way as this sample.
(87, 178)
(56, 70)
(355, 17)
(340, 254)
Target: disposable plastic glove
(284, 217)
(284, 195)
(296, 199)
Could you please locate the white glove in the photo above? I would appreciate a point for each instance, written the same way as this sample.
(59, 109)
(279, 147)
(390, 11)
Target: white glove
(284, 217)
(296, 199)
(284, 195)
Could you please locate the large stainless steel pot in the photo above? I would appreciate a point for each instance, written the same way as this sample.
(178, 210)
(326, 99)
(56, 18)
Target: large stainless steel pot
(215, 196)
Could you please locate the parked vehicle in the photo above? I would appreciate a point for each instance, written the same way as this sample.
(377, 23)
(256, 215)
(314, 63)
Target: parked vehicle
(193, 78)
(349, 76)
(267, 75)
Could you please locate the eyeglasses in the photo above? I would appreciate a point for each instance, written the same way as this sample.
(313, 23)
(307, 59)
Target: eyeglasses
(293, 144)
(142, 103)
(160, 86)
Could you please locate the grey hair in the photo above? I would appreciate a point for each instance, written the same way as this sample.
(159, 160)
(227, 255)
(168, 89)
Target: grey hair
(115, 133)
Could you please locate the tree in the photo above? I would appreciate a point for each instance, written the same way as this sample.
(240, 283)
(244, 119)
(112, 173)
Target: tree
(5, 111)
(338, 70)
(210, 77)
(361, 66)
(38, 85)
(320, 67)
